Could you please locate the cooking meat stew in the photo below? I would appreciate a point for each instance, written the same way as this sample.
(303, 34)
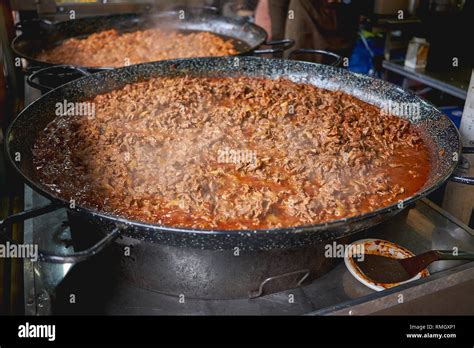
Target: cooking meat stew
(231, 153)
(115, 49)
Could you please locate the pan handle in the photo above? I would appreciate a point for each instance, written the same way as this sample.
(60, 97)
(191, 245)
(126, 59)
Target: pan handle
(32, 24)
(46, 256)
(281, 46)
(461, 179)
(337, 58)
(27, 214)
(42, 72)
(82, 255)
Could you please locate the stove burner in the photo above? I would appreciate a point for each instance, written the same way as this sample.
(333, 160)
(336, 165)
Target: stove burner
(99, 287)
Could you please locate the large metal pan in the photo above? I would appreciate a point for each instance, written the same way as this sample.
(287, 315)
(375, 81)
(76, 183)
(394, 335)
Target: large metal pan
(298, 248)
(38, 35)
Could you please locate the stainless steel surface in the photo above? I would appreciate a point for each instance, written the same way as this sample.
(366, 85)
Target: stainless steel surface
(412, 294)
(40, 279)
(454, 83)
(423, 228)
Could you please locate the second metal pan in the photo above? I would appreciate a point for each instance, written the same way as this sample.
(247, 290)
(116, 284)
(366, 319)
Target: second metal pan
(39, 35)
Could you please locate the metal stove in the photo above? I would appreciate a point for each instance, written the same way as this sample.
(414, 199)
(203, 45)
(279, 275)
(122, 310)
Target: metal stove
(88, 287)
(91, 288)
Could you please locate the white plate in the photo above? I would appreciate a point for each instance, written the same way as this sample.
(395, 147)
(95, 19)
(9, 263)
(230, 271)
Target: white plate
(383, 248)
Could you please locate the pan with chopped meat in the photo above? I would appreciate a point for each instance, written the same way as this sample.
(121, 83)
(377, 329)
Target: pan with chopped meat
(114, 49)
(56, 53)
(219, 152)
(190, 163)
(170, 151)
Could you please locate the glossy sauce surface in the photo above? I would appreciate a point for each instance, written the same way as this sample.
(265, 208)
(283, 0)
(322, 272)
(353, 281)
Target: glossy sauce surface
(231, 153)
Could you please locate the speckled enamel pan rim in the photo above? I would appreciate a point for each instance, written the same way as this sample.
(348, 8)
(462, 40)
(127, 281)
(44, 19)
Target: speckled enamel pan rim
(35, 61)
(283, 230)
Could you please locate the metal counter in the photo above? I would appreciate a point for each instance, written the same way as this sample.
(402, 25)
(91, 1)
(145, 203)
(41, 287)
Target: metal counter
(422, 228)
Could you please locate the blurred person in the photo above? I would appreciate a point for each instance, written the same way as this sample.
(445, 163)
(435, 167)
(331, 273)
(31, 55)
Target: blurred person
(317, 24)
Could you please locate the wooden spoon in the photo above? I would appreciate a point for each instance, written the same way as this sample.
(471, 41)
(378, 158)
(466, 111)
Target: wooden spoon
(382, 269)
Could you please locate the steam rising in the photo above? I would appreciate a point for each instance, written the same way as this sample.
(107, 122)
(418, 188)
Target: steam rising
(154, 150)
